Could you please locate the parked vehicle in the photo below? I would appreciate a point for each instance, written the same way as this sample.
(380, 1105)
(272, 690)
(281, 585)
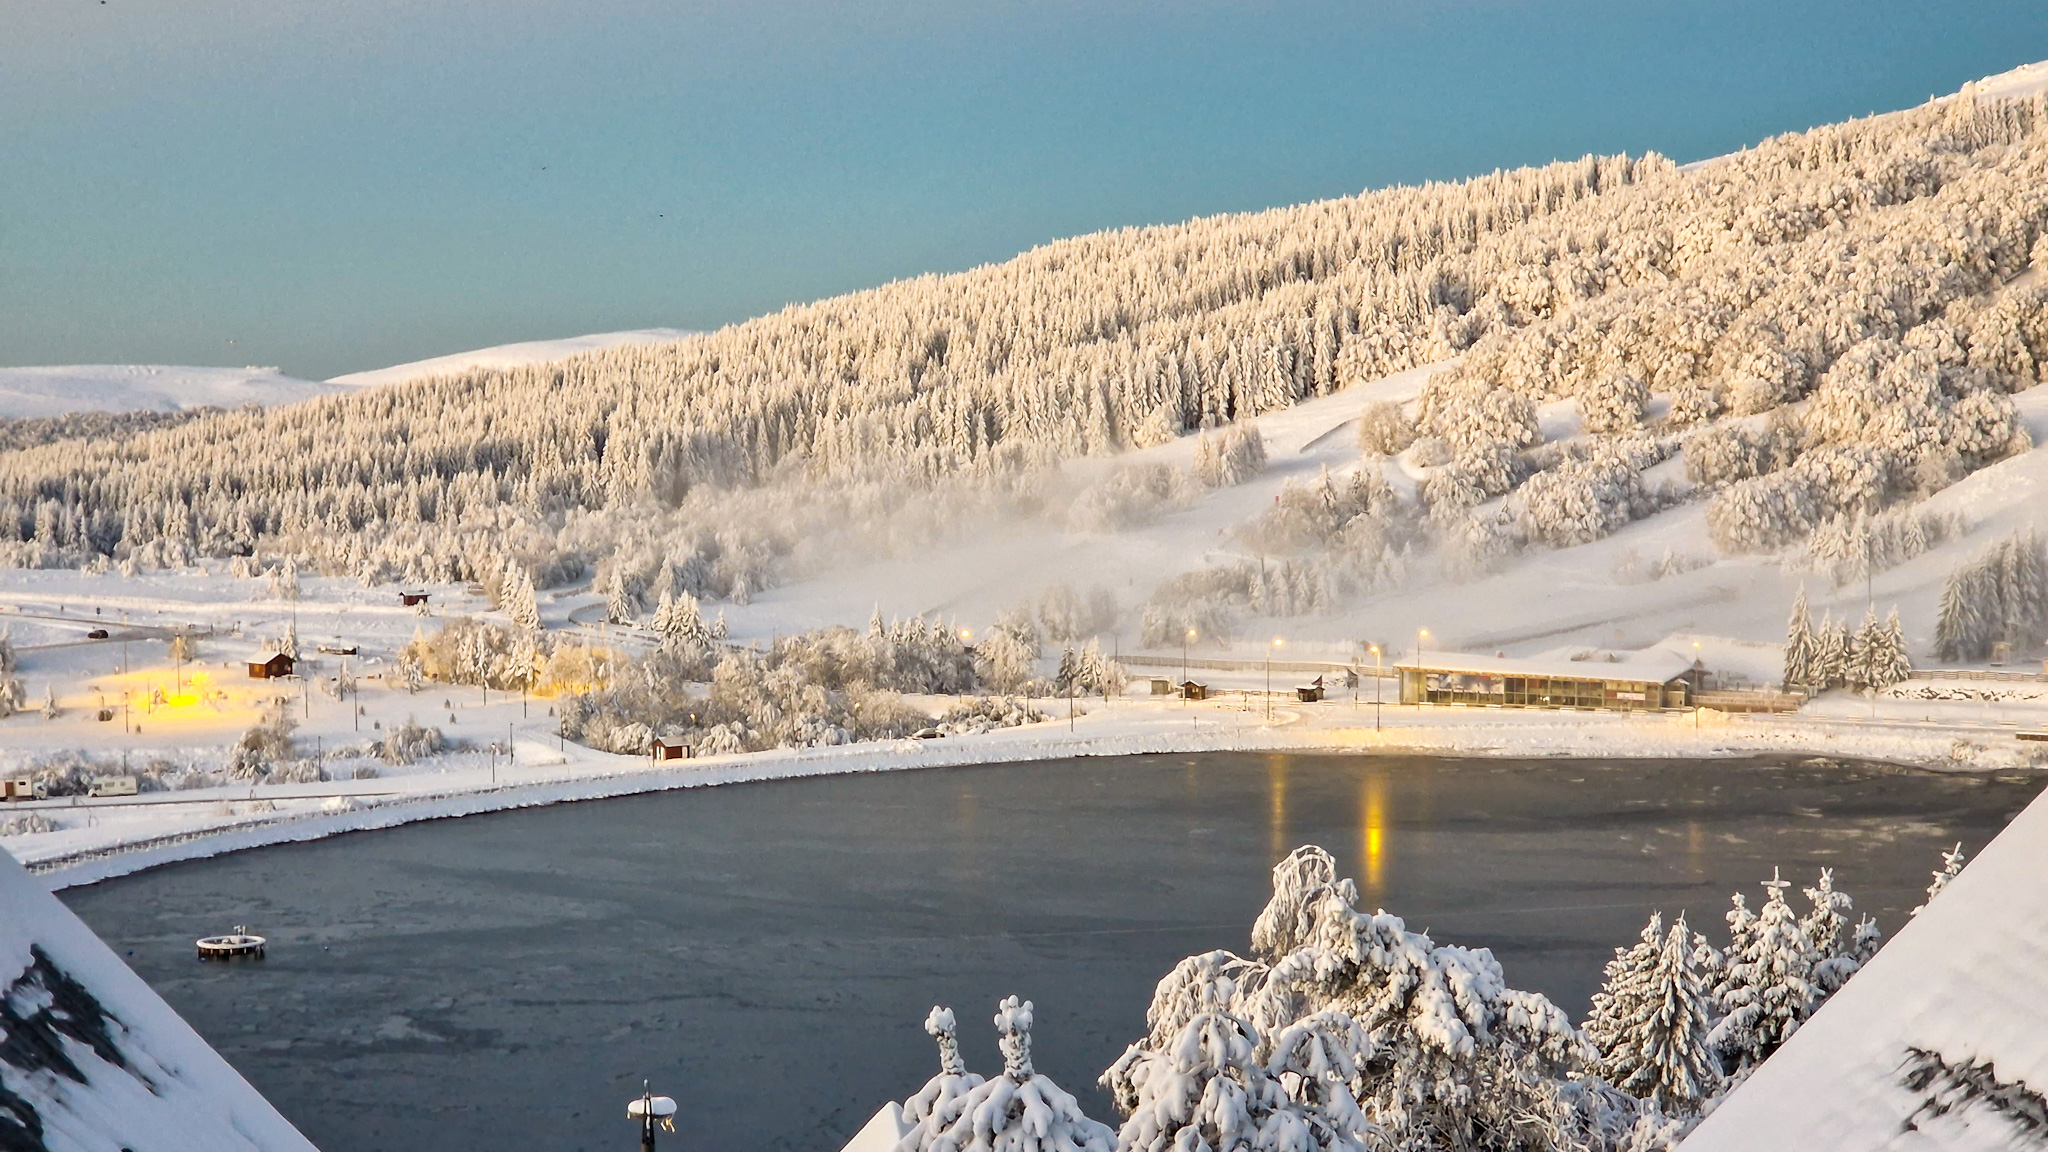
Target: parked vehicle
(19, 788)
(113, 786)
(96, 634)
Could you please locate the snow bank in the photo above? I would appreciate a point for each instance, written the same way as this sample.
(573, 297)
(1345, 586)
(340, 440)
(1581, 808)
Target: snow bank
(56, 390)
(1941, 1041)
(510, 356)
(94, 1061)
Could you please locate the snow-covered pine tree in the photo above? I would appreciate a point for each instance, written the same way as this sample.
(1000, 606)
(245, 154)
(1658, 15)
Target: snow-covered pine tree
(521, 601)
(1831, 655)
(1658, 1050)
(1799, 644)
(1018, 1111)
(1868, 657)
(1772, 990)
(1741, 931)
(922, 1110)
(1204, 1089)
(1897, 664)
(1956, 626)
(1009, 661)
(1616, 1001)
(1838, 949)
(618, 600)
(1951, 866)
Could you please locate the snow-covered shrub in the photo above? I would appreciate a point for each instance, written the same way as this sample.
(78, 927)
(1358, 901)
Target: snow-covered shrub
(408, 742)
(1008, 658)
(1614, 403)
(1739, 450)
(1311, 515)
(1230, 455)
(1579, 502)
(263, 745)
(1129, 497)
(987, 714)
(1467, 413)
(28, 825)
(1384, 429)
(1066, 615)
(1017, 1111)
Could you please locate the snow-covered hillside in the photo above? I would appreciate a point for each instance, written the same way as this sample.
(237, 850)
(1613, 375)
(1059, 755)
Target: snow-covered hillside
(56, 390)
(91, 1060)
(510, 356)
(1941, 1042)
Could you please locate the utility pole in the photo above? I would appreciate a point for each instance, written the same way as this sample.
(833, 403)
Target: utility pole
(1378, 682)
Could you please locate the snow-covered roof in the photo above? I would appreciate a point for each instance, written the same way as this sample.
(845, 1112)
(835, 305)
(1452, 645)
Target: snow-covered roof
(1652, 666)
(1960, 983)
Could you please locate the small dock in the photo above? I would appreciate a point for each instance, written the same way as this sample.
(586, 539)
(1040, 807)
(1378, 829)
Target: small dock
(236, 945)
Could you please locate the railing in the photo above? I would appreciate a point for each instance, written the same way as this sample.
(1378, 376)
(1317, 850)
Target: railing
(1749, 701)
(1974, 674)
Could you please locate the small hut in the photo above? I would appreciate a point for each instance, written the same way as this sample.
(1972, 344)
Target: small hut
(1189, 690)
(665, 748)
(1162, 686)
(412, 599)
(1311, 692)
(270, 666)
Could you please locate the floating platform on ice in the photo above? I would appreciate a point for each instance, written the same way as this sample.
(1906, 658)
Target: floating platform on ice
(235, 945)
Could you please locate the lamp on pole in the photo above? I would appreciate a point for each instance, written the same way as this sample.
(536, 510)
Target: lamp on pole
(1377, 682)
(1697, 683)
(1421, 634)
(651, 1111)
(1186, 639)
(1277, 642)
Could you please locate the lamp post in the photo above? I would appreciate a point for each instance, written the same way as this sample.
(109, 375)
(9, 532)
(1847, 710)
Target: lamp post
(651, 1111)
(1186, 639)
(1697, 682)
(1377, 682)
(1421, 634)
(1277, 642)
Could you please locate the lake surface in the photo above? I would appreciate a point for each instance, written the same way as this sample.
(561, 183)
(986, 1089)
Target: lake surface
(766, 952)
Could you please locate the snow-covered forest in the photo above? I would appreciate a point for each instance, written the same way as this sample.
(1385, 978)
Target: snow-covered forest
(1346, 1030)
(1827, 327)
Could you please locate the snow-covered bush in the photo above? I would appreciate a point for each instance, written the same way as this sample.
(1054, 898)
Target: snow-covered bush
(1383, 429)
(1016, 1111)
(1614, 403)
(263, 745)
(477, 652)
(28, 825)
(408, 742)
(1230, 455)
(1740, 450)
(1311, 515)
(1129, 497)
(986, 714)
(1579, 502)
(1468, 413)
(1066, 615)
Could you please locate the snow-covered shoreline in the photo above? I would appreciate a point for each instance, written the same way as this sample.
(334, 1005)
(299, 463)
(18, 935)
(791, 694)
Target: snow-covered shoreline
(192, 831)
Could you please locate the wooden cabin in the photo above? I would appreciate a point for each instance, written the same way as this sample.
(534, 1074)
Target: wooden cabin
(665, 749)
(412, 599)
(274, 666)
(1189, 690)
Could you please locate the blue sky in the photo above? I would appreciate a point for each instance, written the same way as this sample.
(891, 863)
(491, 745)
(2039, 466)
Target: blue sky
(346, 184)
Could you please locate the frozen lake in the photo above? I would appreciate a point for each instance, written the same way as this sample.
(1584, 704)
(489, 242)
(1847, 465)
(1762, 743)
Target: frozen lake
(766, 952)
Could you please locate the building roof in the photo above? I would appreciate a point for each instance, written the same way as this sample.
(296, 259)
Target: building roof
(1649, 666)
(265, 656)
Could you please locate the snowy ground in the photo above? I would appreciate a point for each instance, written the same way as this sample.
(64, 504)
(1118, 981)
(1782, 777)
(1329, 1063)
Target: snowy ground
(54, 391)
(509, 356)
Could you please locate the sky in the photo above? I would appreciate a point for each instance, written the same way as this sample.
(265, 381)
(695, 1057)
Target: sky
(345, 184)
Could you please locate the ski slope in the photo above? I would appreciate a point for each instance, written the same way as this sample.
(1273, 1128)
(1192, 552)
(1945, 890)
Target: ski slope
(509, 356)
(94, 1061)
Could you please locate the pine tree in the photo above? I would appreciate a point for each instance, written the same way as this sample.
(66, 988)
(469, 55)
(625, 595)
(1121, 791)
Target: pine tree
(1741, 933)
(1898, 663)
(521, 602)
(1771, 985)
(1951, 867)
(922, 1110)
(1838, 950)
(1658, 1050)
(1831, 655)
(1868, 659)
(1617, 1000)
(1018, 1111)
(1799, 644)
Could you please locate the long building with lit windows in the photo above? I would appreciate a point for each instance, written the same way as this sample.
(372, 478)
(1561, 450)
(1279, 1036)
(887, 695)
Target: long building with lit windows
(1620, 681)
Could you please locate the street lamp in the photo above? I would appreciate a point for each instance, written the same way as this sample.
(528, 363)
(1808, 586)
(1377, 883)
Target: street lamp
(1697, 681)
(1420, 635)
(1377, 681)
(1277, 642)
(1185, 640)
(650, 1111)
